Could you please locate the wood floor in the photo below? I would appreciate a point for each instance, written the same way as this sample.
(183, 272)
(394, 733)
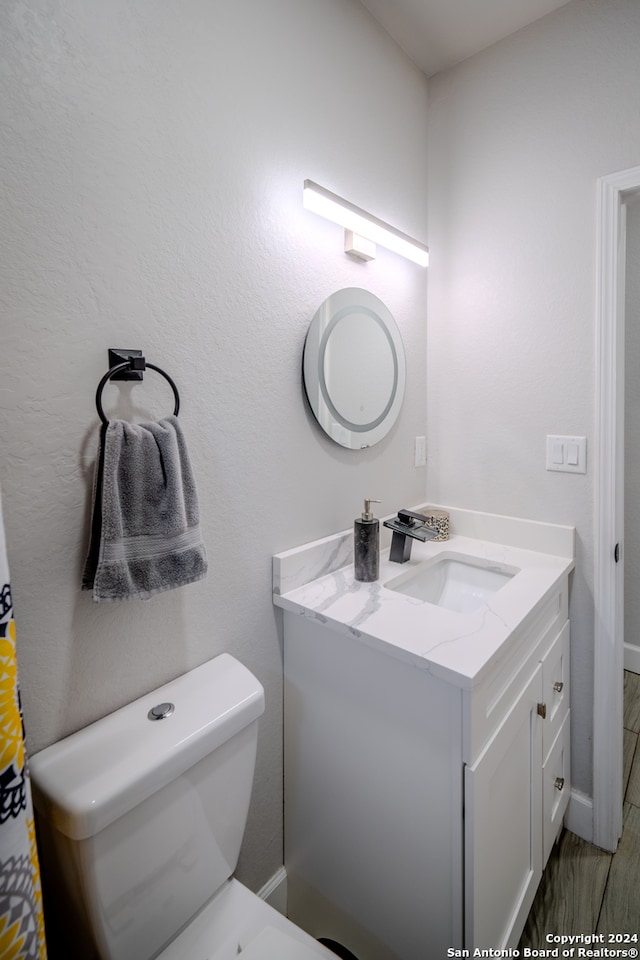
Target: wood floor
(583, 889)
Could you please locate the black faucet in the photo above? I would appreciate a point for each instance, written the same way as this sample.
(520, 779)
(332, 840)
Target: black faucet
(408, 526)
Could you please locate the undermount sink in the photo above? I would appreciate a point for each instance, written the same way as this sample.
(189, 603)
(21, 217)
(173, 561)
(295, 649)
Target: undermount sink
(456, 582)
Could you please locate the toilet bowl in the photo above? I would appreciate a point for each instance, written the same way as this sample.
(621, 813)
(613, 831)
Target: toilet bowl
(242, 927)
(140, 821)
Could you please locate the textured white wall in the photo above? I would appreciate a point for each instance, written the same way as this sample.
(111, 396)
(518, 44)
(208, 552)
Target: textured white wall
(518, 137)
(632, 432)
(152, 158)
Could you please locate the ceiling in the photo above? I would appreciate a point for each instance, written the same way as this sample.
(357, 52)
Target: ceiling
(436, 34)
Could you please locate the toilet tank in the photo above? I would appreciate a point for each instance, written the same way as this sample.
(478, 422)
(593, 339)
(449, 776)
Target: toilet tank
(140, 821)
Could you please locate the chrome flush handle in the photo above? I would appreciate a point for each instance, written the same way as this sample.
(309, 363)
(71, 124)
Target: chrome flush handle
(161, 711)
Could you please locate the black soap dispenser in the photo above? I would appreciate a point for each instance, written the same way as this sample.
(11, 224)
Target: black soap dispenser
(366, 545)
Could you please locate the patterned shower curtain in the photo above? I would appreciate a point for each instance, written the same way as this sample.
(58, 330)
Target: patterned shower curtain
(21, 919)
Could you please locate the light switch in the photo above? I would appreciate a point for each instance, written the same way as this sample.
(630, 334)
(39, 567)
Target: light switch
(567, 454)
(573, 458)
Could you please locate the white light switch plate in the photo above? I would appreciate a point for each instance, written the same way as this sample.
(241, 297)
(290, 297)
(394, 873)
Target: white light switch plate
(567, 454)
(420, 452)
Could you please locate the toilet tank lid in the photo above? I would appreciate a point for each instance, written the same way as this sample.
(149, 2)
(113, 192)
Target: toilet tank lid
(86, 781)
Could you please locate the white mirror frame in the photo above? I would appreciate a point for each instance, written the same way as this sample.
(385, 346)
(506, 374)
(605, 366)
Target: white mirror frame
(342, 305)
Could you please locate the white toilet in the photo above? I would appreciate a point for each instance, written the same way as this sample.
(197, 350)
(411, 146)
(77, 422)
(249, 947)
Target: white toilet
(140, 824)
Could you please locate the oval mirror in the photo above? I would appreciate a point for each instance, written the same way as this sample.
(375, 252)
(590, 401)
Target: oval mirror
(354, 368)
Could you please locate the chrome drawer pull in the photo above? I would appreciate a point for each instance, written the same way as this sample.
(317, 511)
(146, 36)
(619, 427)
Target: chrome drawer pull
(558, 685)
(559, 783)
(542, 710)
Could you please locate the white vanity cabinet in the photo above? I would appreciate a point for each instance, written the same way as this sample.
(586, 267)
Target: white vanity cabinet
(556, 742)
(516, 794)
(503, 825)
(419, 812)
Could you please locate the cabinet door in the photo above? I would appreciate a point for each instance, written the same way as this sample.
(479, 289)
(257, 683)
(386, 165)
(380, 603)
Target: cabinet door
(503, 826)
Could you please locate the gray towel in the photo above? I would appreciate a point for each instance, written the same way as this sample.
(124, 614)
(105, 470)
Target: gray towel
(146, 525)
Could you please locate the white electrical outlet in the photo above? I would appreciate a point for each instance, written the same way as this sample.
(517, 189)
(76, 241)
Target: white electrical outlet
(567, 454)
(420, 452)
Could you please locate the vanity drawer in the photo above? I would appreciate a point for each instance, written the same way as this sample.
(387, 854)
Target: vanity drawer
(555, 688)
(556, 786)
(485, 707)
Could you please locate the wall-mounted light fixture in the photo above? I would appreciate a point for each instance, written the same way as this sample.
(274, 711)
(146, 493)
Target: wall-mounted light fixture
(362, 229)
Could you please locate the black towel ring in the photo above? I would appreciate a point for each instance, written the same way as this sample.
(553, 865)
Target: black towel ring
(139, 364)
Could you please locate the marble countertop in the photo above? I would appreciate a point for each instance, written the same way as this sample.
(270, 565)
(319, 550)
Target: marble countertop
(317, 581)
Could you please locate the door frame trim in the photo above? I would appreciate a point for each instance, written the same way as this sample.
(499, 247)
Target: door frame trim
(609, 507)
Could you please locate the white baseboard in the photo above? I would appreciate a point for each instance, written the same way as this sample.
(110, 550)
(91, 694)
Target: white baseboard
(632, 657)
(579, 815)
(274, 891)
